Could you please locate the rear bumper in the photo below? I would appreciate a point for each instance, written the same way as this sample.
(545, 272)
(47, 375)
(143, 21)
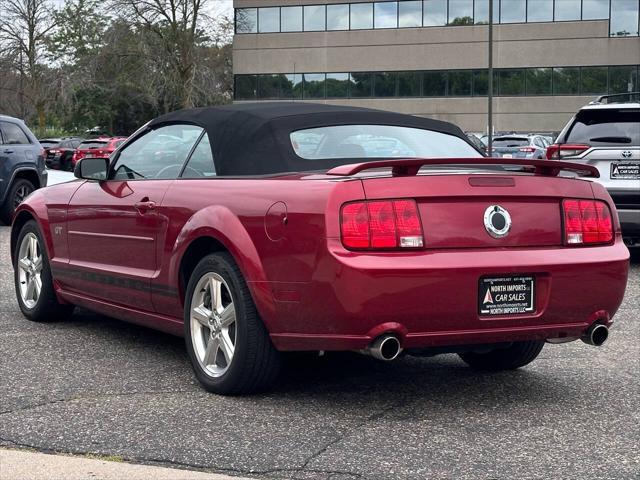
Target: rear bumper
(431, 298)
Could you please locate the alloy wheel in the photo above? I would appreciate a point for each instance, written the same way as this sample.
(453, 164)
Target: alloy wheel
(30, 270)
(213, 324)
(22, 192)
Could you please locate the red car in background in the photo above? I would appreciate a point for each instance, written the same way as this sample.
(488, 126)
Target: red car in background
(101, 147)
(258, 229)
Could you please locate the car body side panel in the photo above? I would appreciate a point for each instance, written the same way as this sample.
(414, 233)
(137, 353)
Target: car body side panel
(275, 234)
(49, 208)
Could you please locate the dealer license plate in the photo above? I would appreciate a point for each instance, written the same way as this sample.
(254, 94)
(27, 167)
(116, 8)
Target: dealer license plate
(625, 171)
(508, 295)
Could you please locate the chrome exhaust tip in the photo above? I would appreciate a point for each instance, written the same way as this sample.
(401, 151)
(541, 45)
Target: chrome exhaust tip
(596, 335)
(385, 347)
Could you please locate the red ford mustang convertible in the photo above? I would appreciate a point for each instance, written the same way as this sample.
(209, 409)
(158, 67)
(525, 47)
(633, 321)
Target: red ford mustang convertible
(258, 229)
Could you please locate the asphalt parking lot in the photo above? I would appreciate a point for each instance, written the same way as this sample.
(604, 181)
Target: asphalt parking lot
(95, 385)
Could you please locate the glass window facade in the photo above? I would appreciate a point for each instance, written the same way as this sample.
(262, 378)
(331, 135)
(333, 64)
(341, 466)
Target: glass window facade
(361, 16)
(595, 9)
(291, 19)
(516, 13)
(459, 83)
(268, 19)
(435, 13)
(539, 81)
(434, 84)
(587, 80)
(539, 10)
(409, 84)
(269, 86)
(384, 84)
(593, 80)
(566, 81)
(337, 85)
(385, 15)
(314, 85)
(567, 10)
(623, 15)
(460, 12)
(338, 17)
(624, 18)
(291, 86)
(512, 82)
(410, 14)
(247, 20)
(314, 18)
(360, 85)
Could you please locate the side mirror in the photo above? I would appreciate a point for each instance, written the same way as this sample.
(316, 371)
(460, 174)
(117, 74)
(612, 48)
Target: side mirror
(92, 168)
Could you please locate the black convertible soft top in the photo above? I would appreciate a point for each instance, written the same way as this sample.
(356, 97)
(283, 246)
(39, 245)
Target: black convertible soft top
(253, 138)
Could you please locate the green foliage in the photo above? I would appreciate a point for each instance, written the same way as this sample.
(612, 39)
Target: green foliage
(115, 65)
(461, 21)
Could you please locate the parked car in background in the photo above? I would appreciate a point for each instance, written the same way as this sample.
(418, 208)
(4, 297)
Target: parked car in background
(519, 146)
(100, 147)
(238, 232)
(22, 168)
(606, 135)
(49, 142)
(58, 155)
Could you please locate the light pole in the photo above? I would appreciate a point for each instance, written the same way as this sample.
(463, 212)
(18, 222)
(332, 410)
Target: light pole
(490, 84)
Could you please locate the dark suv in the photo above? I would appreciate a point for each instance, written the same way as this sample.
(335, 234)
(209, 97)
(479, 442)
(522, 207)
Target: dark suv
(22, 168)
(606, 135)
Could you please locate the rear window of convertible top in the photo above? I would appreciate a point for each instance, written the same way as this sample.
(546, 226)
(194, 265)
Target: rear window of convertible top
(377, 141)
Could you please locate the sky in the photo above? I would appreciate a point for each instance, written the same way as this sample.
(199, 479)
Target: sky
(224, 7)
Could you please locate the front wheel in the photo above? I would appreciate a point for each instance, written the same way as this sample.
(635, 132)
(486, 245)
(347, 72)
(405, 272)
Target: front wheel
(32, 276)
(228, 345)
(517, 355)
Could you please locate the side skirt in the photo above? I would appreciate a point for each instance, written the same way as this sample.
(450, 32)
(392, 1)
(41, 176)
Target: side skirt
(171, 325)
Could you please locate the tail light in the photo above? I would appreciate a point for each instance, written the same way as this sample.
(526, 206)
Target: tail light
(527, 149)
(381, 224)
(560, 151)
(587, 222)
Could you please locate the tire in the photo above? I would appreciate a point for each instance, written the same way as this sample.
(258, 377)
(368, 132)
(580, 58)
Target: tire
(253, 364)
(515, 356)
(20, 189)
(42, 306)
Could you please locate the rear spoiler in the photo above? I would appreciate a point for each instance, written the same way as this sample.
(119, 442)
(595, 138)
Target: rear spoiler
(411, 166)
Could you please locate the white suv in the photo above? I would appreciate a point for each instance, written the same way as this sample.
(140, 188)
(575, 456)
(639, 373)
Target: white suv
(606, 134)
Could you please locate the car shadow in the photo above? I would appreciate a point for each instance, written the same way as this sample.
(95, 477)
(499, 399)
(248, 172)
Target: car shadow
(344, 375)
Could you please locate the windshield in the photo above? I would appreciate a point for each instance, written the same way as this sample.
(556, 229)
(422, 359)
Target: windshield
(610, 127)
(377, 141)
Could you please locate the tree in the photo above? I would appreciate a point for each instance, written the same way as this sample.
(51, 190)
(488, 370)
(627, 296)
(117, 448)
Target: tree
(24, 30)
(175, 24)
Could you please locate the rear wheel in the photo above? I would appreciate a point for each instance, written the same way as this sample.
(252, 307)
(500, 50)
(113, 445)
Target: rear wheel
(515, 356)
(32, 276)
(20, 190)
(228, 345)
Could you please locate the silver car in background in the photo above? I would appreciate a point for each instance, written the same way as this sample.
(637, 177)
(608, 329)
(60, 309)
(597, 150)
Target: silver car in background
(520, 146)
(606, 134)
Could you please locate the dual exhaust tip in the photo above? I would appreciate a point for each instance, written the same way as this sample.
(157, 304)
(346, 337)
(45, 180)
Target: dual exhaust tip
(596, 335)
(387, 347)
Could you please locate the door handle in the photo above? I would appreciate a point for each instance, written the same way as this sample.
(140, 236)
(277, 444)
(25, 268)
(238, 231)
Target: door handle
(8, 150)
(145, 206)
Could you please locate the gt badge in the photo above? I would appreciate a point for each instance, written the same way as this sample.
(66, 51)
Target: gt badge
(497, 221)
